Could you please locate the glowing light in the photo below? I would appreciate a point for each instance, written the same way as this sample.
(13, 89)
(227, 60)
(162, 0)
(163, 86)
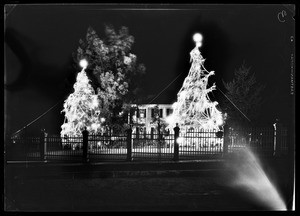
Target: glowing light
(102, 119)
(210, 124)
(179, 140)
(95, 102)
(198, 44)
(197, 37)
(127, 60)
(83, 63)
(220, 121)
(170, 120)
(94, 126)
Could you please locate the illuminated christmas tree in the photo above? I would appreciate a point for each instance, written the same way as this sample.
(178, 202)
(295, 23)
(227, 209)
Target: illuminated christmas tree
(81, 108)
(193, 107)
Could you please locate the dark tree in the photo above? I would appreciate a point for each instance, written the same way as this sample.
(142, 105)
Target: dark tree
(113, 70)
(158, 121)
(245, 92)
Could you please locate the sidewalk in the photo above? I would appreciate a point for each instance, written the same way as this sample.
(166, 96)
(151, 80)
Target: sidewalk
(130, 186)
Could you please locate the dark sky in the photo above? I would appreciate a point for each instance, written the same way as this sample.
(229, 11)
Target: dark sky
(40, 39)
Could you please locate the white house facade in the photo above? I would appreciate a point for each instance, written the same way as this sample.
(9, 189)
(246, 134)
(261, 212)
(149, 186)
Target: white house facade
(144, 114)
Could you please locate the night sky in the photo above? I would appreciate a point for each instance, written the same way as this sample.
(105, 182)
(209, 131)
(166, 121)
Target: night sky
(40, 40)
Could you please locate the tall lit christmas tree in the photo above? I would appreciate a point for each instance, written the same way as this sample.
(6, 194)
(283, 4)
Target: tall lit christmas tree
(81, 108)
(193, 107)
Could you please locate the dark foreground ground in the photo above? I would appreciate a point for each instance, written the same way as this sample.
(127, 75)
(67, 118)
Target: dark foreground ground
(187, 186)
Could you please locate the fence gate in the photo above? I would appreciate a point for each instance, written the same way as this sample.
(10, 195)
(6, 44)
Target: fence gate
(107, 147)
(155, 147)
(63, 148)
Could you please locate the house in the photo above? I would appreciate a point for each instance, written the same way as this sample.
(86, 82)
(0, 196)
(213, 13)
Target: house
(144, 114)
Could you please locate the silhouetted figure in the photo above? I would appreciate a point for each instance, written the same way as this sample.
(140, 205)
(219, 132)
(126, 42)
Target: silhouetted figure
(219, 134)
(176, 129)
(176, 144)
(85, 135)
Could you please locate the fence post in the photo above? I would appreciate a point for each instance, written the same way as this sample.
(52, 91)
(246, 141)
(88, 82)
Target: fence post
(226, 140)
(176, 144)
(159, 141)
(278, 137)
(137, 131)
(85, 139)
(43, 137)
(275, 138)
(129, 144)
(290, 139)
(151, 134)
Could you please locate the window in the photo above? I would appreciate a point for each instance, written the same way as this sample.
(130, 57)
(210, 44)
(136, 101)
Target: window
(142, 113)
(169, 111)
(152, 113)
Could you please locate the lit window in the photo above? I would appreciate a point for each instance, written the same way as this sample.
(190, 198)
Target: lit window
(142, 113)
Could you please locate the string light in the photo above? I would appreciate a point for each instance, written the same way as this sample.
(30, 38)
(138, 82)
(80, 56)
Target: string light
(81, 108)
(193, 106)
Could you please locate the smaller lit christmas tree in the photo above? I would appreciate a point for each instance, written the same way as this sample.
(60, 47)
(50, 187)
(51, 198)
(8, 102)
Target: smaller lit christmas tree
(81, 108)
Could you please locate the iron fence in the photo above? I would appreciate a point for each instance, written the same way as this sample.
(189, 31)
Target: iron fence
(63, 148)
(199, 143)
(192, 144)
(107, 147)
(264, 141)
(23, 148)
(152, 146)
